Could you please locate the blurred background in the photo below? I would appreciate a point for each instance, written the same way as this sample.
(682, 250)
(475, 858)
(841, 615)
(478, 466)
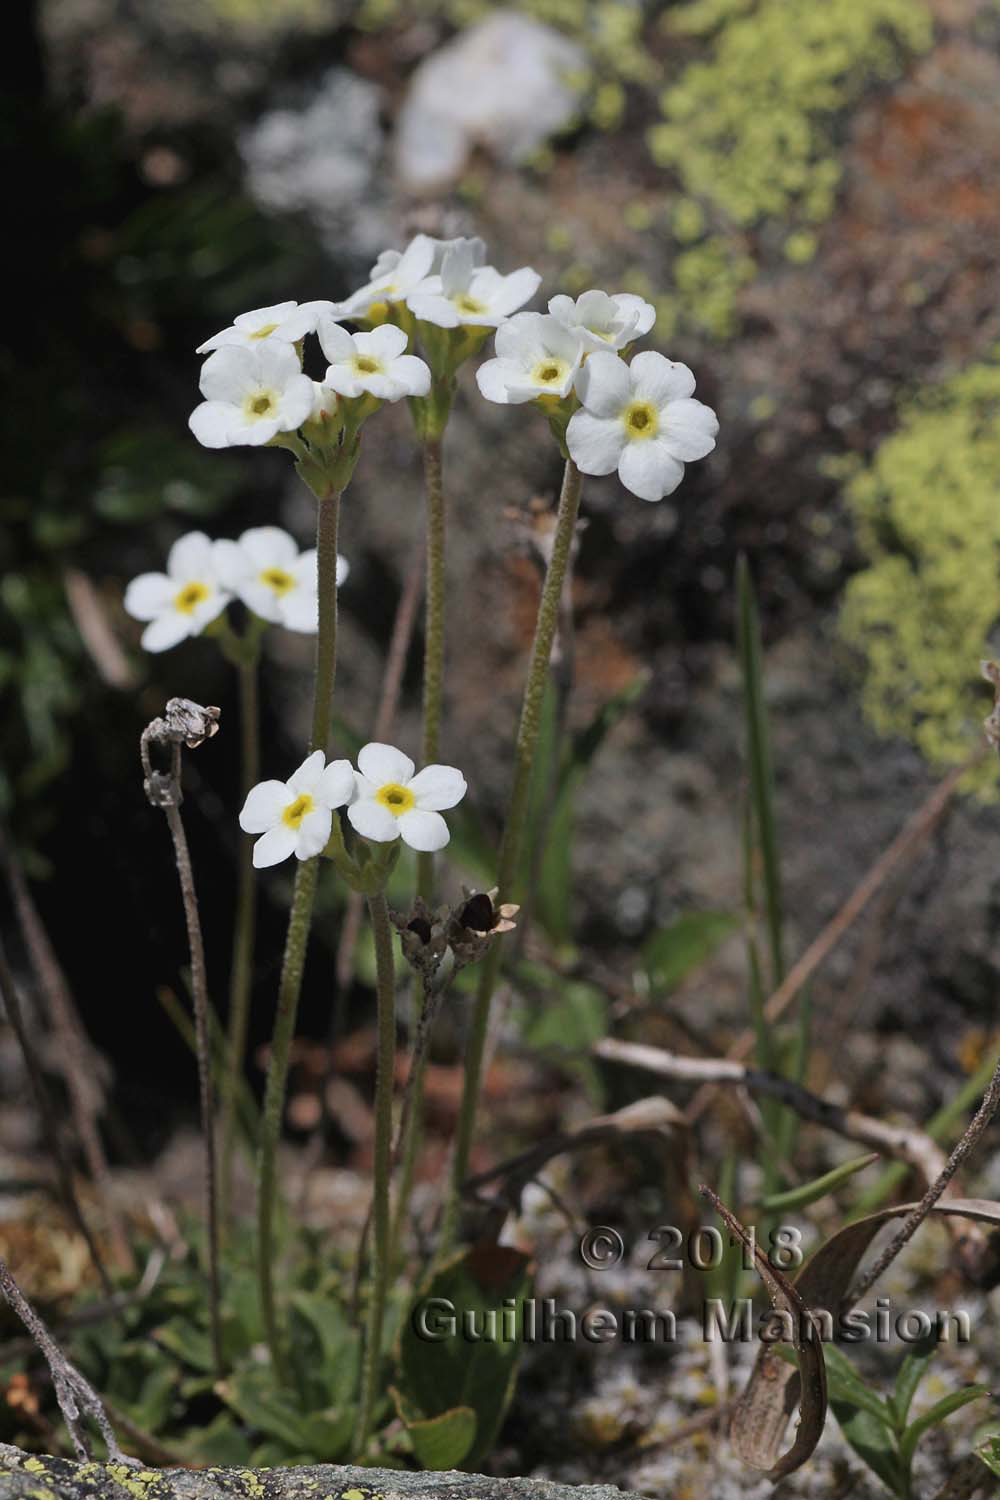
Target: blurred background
(808, 195)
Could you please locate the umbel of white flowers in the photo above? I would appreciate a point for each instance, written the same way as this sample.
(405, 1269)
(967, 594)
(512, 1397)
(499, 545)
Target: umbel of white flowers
(386, 799)
(263, 568)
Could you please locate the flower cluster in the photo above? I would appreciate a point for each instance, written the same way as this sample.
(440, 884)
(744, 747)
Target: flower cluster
(263, 568)
(386, 798)
(638, 418)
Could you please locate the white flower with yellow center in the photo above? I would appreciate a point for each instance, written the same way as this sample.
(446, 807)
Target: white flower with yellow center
(288, 322)
(390, 802)
(372, 364)
(603, 321)
(296, 816)
(183, 600)
(393, 275)
(251, 396)
(467, 293)
(639, 419)
(266, 570)
(536, 356)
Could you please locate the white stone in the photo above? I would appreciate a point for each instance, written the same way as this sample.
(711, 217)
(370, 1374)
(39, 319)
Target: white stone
(508, 83)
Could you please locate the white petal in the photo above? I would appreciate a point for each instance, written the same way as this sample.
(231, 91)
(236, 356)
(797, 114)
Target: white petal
(269, 547)
(659, 380)
(649, 470)
(276, 845)
(383, 763)
(259, 317)
(431, 307)
(521, 337)
(415, 262)
(229, 374)
(563, 308)
(595, 443)
(373, 821)
(492, 377)
(438, 787)
(335, 787)
(264, 602)
(278, 363)
(457, 265)
(425, 831)
(230, 562)
(306, 778)
(603, 385)
(263, 807)
(208, 610)
(314, 833)
(167, 631)
(632, 307)
(342, 379)
(336, 343)
(298, 610)
(343, 569)
(213, 423)
(412, 374)
(689, 429)
(149, 595)
(517, 289)
(296, 403)
(384, 343)
(190, 558)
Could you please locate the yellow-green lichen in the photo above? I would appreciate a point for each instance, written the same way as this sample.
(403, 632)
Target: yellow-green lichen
(926, 609)
(34, 1466)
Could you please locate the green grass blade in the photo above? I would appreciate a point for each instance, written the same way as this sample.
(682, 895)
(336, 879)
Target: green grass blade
(811, 1192)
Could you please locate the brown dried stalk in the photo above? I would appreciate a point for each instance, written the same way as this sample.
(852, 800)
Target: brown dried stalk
(187, 723)
(75, 1395)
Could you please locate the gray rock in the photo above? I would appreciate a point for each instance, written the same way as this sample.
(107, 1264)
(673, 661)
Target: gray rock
(26, 1477)
(507, 83)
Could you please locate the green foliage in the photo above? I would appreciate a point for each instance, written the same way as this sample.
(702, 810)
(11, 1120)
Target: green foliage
(674, 952)
(922, 612)
(451, 1376)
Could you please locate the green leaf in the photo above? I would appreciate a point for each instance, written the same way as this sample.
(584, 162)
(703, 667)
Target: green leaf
(250, 1395)
(327, 1348)
(486, 1284)
(989, 1452)
(847, 1387)
(189, 1342)
(674, 952)
(939, 1412)
(811, 1192)
(911, 1373)
(872, 1441)
(439, 1442)
(328, 1433)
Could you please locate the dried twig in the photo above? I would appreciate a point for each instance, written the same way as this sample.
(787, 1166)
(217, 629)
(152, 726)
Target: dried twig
(12, 1005)
(187, 723)
(910, 1145)
(75, 1395)
(91, 620)
(78, 1060)
(970, 1139)
(907, 841)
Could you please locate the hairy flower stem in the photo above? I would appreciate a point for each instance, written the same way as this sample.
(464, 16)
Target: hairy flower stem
(382, 931)
(297, 939)
(243, 936)
(433, 633)
(513, 835)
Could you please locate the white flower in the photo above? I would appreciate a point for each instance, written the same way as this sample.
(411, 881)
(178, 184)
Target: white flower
(287, 322)
(296, 816)
(603, 321)
(267, 571)
(181, 601)
(640, 420)
(251, 395)
(390, 802)
(392, 276)
(468, 293)
(536, 356)
(373, 363)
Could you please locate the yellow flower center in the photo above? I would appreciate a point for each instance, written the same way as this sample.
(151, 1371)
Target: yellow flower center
(549, 372)
(398, 799)
(190, 596)
(263, 404)
(264, 331)
(278, 580)
(379, 311)
(470, 305)
(297, 810)
(641, 419)
(367, 364)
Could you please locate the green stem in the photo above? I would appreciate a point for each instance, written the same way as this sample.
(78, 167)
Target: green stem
(243, 937)
(510, 848)
(433, 633)
(296, 942)
(382, 931)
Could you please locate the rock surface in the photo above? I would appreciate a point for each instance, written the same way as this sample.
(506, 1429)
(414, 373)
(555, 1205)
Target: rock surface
(24, 1476)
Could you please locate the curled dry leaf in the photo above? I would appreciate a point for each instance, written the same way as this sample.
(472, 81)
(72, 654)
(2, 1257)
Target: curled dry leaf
(775, 1388)
(758, 1433)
